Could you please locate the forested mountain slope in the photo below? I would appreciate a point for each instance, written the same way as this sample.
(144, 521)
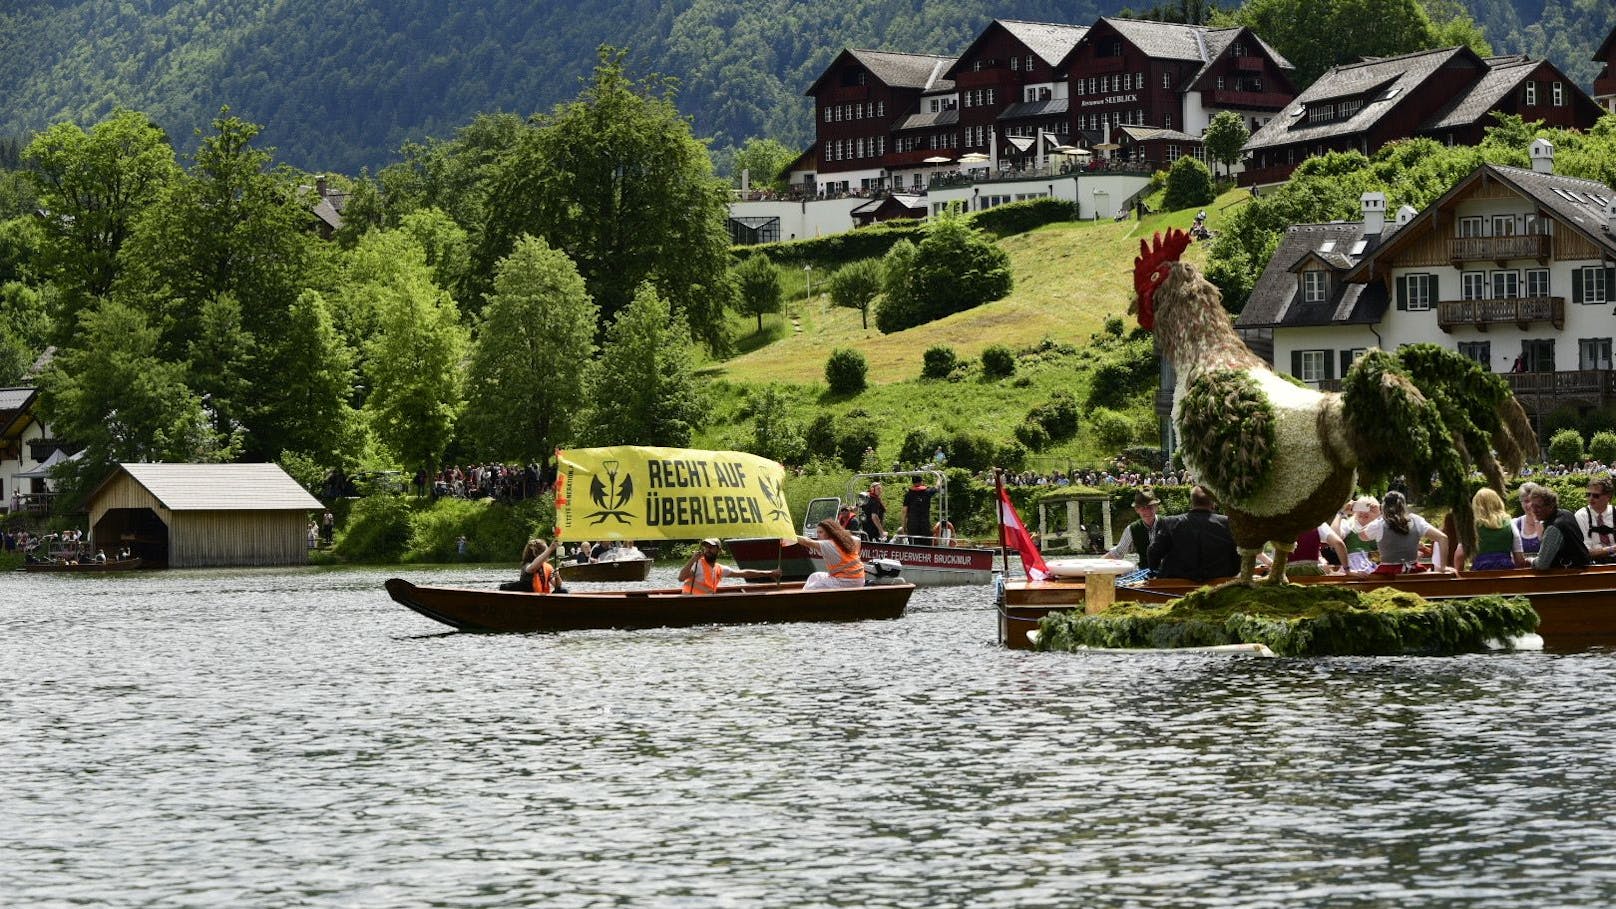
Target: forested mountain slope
(341, 84)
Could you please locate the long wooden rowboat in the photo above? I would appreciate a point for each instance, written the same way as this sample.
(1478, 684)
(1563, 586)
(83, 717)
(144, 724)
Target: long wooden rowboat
(621, 571)
(494, 610)
(90, 567)
(1577, 607)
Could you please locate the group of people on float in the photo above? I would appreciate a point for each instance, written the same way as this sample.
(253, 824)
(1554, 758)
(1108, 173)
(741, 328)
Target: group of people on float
(869, 518)
(1383, 536)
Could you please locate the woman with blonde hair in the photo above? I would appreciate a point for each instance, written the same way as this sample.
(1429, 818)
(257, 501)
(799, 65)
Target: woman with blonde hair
(843, 567)
(1498, 545)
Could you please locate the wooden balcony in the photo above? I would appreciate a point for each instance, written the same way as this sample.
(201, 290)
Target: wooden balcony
(1480, 314)
(1500, 249)
(1226, 97)
(1541, 392)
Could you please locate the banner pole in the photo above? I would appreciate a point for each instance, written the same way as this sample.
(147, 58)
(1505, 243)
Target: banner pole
(998, 512)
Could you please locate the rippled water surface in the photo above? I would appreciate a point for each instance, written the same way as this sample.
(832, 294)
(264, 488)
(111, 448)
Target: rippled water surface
(293, 738)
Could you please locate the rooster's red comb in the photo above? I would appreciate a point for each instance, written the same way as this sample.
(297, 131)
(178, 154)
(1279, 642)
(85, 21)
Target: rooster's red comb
(1165, 249)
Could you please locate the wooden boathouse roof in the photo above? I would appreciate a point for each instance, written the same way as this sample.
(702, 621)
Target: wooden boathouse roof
(218, 487)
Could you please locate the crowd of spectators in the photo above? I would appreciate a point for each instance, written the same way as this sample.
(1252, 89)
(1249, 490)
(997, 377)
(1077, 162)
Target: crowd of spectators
(1116, 474)
(500, 482)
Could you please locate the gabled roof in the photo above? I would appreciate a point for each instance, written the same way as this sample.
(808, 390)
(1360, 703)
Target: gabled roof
(1164, 40)
(16, 409)
(1276, 299)
(218, 487)
(1156, 134)
(1217, 42)
(1383, 83)
(1575, 203)
(1049, 40)
(1605, 47)
(893, 69)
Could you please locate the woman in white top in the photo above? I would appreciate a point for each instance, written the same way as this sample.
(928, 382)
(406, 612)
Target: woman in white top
(1527, 526)
(843, 567)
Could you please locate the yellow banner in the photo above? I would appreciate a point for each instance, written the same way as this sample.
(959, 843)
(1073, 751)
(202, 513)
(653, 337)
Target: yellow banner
(632, 492)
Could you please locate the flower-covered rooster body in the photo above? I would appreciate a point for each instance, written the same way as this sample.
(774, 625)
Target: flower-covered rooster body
(1282, 457)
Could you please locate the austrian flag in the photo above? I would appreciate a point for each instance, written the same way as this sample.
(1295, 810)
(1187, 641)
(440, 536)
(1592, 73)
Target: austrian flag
(1015, 536)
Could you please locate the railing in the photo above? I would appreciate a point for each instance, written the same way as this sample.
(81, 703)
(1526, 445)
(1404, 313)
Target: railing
(1525, 246)
(1586, 383)
(1229, 97)
(1482, 313)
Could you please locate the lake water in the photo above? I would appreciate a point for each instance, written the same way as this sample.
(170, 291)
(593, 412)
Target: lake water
(293, 738)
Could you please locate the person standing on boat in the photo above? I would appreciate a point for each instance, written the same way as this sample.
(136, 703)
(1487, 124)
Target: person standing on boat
(875, 513)
(1137, 537)
(1196, 545)
(1562, 545)
(916, 514)
(843, 567)
(1598, 521)
(702, 574)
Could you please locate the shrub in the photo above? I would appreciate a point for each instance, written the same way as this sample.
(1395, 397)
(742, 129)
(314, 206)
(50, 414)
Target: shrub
(919, 445)
(820, 437)
(493, 532)
(998, 362)
(900, 304)
(972, 451)
(1602, 447)
(845, 371)
(1032, 435)
(1189, 185)
(775, 434)
(1111, 429)
(1057, 417)
(938, 362)
(851, 446)
(1011, 455)
(1565, 447)
(835, 249)
(378, 530)
(1020, 217)
(955, 268)
(1566, 416)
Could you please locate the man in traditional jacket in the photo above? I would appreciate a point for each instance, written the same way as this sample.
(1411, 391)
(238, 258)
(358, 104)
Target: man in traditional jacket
(1137, 537)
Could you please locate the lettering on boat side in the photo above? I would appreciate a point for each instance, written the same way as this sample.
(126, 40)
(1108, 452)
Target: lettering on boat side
(910, 557)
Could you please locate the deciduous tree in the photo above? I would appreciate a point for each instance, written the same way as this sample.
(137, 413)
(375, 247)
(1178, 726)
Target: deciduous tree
(534, 343)
(642, 389)
(764, 161)
(856, 285)
(758, 284)
(1225, 136)
(413, 364)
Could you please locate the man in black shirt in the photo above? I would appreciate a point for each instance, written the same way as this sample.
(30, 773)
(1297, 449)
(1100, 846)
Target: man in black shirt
(917, 512)
(1195, 545)
(1562, 545)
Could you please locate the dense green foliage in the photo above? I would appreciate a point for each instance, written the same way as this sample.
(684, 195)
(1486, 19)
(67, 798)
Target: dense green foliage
(1020, 217)
(998, 362)
(1227, 425)
(856, 285)
(1318, 34)
(1316, 620)
(1602, 447)
(1224, 137)
(757, 283)
(1565, 447)
(938, 362)
(953, 268)
(1189, 184)
(845, 371)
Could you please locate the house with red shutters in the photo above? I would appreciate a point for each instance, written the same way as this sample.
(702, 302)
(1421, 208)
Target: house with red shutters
(1012, 98)
(1449, 95)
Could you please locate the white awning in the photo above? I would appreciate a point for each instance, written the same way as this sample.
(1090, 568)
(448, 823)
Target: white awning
(1022, 143)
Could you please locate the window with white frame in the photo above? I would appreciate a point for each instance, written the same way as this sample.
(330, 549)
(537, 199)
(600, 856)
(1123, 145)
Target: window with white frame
(1028, 65)
(1537, 282)
(1592, 282)
(1015, 64)
(1506, 285)
(1472, 285)
(1167, 80)
(1421, 291)
(1479, 351)
(1503, 225)
(1315, 286)
(1470, 227)
(1531, 92)
(1557, 94)
(1138, 80)
(1312, 364)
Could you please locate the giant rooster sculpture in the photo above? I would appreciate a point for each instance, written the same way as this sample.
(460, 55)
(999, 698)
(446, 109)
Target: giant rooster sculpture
(1282, 457)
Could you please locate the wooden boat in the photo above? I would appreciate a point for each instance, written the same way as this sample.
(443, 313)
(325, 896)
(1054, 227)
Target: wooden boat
(1577, 606)
(90, 567)
(925, 563)
(494, 610)
(621, 571)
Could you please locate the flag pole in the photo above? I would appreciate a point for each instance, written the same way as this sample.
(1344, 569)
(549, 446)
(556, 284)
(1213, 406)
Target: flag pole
(998, 511)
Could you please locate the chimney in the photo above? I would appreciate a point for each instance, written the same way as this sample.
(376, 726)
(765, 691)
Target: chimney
(1542, 156)
(746, 179)
(1405, 214)
(319, 185)
(1374, 213)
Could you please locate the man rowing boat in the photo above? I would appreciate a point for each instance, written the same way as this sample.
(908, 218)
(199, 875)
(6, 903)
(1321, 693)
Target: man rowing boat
(702, 574)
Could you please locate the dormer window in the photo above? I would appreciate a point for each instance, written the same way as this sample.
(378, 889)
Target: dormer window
(1315, 286)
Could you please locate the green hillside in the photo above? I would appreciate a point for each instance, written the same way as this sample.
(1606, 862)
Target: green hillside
(1069, 279)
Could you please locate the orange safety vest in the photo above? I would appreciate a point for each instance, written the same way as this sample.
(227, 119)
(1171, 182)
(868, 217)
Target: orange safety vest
(849, 568)
(705, 579)
(544, 579)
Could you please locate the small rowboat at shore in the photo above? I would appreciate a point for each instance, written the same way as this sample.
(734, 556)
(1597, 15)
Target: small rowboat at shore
(469, 609)
(624, 570)
(1577, 606)
(89, 567)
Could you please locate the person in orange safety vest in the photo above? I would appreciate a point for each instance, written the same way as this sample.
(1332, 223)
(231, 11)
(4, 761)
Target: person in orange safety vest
(840, 550)
(702, 574)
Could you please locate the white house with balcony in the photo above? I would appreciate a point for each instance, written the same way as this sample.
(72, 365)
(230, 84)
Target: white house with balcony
(1514, 268)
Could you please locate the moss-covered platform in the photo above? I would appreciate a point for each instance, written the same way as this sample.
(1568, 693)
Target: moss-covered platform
(1299, 621)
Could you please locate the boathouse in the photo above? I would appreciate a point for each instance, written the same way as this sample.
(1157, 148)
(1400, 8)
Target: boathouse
(203, 515)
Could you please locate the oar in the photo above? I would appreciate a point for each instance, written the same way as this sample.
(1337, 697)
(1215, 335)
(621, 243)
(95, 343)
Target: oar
(780, 558)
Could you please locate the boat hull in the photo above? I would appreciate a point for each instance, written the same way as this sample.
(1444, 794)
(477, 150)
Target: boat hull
(469, 609)
(86, 567)
(1577, 607)
(923, 566)
(622, 572)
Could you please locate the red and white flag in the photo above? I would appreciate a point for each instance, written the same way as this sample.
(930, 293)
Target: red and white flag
(1014, 535)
